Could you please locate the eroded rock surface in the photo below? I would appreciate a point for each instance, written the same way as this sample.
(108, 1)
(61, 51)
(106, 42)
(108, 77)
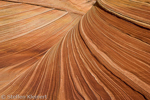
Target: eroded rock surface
(102, 55)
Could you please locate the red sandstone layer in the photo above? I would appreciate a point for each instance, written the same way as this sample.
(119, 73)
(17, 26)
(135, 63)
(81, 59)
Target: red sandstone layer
(104, 56)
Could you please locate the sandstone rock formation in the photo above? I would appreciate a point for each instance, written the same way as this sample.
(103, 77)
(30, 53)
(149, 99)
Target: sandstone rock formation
(101, 55)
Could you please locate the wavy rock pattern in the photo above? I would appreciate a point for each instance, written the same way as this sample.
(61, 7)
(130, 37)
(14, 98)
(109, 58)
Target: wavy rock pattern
(76, 6)
(106, 56)
(26, 33)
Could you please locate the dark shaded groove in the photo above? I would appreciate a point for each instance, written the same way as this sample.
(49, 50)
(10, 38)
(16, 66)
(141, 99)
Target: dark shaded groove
(99, 6)
(105, 66)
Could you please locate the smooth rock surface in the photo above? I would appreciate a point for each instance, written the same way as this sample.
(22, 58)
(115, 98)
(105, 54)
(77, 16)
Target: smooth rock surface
(102, 55)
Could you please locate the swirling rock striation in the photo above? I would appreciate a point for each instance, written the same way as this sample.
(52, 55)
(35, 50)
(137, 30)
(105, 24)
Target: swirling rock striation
(26, 33)
(106, 56)
(76, 6)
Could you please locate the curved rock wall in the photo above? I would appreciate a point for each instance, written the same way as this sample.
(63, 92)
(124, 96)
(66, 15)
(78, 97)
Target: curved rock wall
(106, 56)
